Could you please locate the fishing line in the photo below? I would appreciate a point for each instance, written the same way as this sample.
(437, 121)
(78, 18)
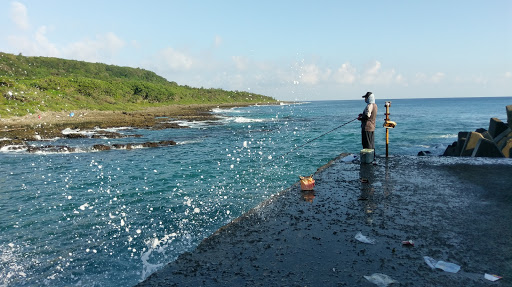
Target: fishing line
(297, 147)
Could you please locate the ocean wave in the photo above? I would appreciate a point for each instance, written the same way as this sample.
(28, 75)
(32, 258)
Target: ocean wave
(95, 131)
(68, 131)
(13, 148)
(194, 124)
(13, 270)
(188, 142)
(225, 110)
(64, 149)
(293, 103)
(247, 120)
(223, 120)
(113, 130)
(445, 136)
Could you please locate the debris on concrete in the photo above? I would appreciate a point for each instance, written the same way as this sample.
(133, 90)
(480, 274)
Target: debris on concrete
(408, 243)
(381, 280)
(360, 237)
(492, 277)
(445, 266)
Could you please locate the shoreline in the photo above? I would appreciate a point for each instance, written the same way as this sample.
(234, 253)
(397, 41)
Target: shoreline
(48, 125)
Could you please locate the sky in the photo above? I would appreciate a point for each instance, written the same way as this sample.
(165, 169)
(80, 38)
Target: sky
(289, 50)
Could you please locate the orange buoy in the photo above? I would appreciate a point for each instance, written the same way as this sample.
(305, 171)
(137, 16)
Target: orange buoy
(307, 182)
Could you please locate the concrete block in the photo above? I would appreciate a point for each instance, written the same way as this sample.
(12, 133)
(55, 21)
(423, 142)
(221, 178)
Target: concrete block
(470, 143)
(507, 148)
(505, 134)
(462, 136)
(486, 135)
(496, 127)
(451, 150)
(501, 143)
(509, 116)
(486, 148)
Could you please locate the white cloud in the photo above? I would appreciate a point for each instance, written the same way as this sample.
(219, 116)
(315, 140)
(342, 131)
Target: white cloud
(241, 63)
(19, 15)
(508, 75)
(312, 74)
(438, 77)
(174, 60)
(43, 44)
(218, 41)
(480, 80)
(111, 43)
(135, 44)
(37, 45)
(375, 75)
(422, 78)
(346, 74)
(100, 49)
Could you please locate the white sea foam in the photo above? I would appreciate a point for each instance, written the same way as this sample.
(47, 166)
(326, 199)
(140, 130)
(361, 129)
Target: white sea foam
(445, 136)
(221, 110)
(188, 142)
(155, 245)
(192, 124)
(11, 261)
(13, 148)
(293, 103)
(113, 130)
(247, 120)
(24, 149)
(89, 133)
(222, 121)
(68, 131)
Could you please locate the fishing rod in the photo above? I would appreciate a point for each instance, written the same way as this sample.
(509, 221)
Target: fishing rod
(297, 147)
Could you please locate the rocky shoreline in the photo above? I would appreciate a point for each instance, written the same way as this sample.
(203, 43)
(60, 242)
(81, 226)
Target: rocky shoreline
(17, 131)
(496, 141)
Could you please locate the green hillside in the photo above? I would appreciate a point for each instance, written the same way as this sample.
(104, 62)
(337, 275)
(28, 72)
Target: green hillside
(33, 84)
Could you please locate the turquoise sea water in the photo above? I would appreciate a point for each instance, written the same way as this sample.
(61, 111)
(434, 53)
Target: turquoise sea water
(111, 218)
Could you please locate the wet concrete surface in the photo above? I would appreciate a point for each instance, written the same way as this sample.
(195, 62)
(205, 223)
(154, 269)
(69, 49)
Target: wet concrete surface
(457, 210)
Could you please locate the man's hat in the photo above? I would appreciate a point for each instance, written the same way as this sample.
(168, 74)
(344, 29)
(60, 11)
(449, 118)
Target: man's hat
(367, 95)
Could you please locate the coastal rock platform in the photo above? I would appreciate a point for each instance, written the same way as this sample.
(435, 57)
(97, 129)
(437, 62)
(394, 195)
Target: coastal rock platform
(453, 209)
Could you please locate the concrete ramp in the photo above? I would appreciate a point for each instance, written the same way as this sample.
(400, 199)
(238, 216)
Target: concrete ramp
(457, 210)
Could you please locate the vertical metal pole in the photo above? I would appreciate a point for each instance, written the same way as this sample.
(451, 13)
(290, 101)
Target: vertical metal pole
(387, 141)
(387, 129)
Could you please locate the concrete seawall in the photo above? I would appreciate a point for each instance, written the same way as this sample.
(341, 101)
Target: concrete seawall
(457, 210)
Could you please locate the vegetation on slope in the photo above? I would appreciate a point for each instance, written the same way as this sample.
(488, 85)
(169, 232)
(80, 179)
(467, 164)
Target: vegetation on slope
(36, 84)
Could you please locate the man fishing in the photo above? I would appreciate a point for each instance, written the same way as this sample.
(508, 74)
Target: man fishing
(367, 119)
